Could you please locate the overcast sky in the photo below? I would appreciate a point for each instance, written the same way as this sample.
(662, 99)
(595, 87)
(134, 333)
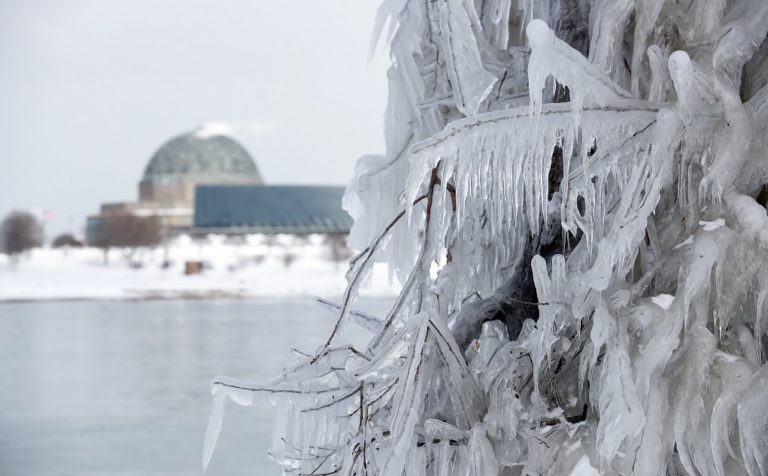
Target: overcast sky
(89, 89)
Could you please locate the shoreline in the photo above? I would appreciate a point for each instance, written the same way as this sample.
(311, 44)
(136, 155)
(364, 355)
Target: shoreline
(183, 296)
(229, 271)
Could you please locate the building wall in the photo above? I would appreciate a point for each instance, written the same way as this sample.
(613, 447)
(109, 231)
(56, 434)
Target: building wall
(180, 191)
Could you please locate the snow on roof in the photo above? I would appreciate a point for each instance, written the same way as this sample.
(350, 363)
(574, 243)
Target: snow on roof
(211, 129)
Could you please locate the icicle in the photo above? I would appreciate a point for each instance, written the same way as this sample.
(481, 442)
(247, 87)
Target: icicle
(650, 458)
(647, 12)
(737, 376)
(621, 414)
(588, 85)
(660, 79)
(471, 82)
(608, 19)
(482, 460)
(753, 426)
(214, 427)
(500, 19)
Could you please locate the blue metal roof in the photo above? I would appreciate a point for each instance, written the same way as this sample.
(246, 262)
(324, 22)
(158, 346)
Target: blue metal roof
(270, 209)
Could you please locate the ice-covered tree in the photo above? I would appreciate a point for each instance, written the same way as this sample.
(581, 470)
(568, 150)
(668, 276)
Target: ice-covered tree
(571, 198)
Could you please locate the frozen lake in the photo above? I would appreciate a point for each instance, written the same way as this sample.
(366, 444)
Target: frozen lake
(121, 387)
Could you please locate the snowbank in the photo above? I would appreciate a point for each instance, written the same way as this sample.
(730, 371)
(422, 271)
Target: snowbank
(254, 266)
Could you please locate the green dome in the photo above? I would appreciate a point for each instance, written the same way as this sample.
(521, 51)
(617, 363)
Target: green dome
(198, 153)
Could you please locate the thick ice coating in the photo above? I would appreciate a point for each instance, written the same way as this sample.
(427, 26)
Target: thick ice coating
(573, 197)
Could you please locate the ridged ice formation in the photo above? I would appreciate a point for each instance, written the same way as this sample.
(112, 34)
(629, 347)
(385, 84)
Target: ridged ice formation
(573, 198)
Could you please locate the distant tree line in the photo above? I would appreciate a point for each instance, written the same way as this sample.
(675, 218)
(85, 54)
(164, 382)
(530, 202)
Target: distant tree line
(128, 231)
(125, 230)
(21, 231)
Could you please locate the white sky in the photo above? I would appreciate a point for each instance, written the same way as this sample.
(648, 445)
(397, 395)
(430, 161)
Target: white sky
(89, 89)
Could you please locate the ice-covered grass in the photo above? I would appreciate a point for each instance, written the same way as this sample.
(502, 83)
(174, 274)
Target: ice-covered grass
(255, 266)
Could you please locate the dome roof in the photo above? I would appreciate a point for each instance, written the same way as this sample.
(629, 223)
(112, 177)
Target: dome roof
(199, 153)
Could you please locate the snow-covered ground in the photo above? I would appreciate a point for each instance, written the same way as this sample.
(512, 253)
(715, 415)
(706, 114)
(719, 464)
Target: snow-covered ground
(256, 266)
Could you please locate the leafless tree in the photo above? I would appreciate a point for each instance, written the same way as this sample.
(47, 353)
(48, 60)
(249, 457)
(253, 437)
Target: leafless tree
(338, 250)
(289, 258)
(66, 240)
(128, 231)
(20, 231)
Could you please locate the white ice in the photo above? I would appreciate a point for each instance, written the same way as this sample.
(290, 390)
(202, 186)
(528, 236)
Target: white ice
(571, 200)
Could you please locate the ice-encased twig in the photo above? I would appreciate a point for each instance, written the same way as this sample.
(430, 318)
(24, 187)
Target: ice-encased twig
(364, 320)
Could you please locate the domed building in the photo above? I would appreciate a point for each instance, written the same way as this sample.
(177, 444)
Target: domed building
(205, 156)
(205, 182)
(192, 159)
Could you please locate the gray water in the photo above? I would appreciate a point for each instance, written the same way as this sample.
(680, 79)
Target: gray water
(121, 388)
